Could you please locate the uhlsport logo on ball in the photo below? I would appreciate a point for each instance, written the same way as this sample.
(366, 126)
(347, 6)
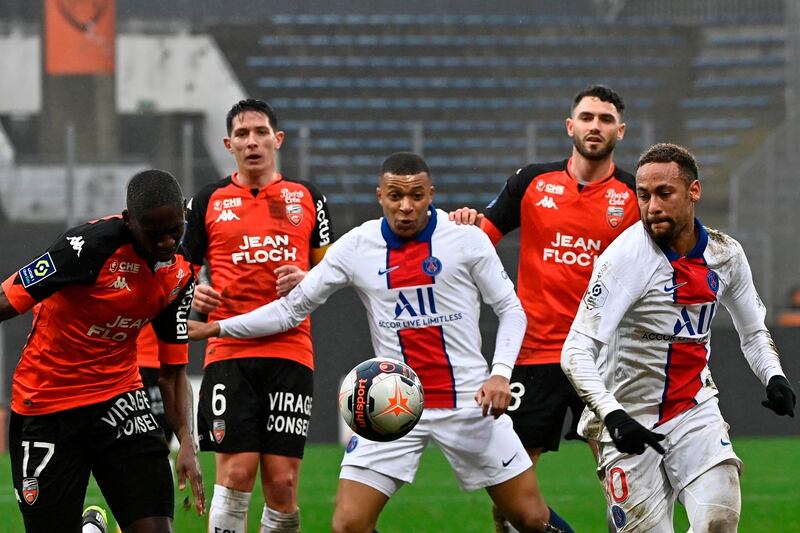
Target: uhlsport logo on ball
(381, 399)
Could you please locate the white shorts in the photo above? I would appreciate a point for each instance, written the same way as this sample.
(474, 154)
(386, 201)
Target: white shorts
(641, 489)
(482, 451)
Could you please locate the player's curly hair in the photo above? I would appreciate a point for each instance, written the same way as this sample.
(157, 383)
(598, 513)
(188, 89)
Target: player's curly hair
(603, 93)
(404, 164)
(250, 104)
(152, 188)
(672, 153)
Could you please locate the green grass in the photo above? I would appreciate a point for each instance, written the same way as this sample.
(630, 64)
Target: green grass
(434, 503)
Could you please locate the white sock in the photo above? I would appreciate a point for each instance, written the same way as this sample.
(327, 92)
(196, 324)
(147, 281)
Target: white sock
(273, 521)
(91, 528)
(228, 510)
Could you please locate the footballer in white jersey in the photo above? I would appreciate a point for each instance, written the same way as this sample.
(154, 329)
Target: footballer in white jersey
(421, 278)
(651, 308)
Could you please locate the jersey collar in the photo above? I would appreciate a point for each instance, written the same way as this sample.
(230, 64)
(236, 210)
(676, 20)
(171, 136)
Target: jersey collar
(611, 171)
(699, 248)
(393, 241)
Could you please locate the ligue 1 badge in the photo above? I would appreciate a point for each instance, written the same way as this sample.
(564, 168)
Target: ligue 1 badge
(294, 212)
(30, 490)
(218, 430)
(431, 266)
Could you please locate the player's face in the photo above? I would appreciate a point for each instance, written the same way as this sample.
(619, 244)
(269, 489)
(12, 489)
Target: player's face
(158, 231)
(405, 201)
(253, 143)
(666, 201)
(595, 128)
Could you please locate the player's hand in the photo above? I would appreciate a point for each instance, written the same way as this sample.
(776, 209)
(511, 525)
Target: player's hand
(465, 216)
(494, 396)
(780, 396)
(187, 466)
(630, 436)
(287, 277)
(202, 330)
(206, 299)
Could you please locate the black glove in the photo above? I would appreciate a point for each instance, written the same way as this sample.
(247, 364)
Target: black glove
(630, 436)
(780, 396)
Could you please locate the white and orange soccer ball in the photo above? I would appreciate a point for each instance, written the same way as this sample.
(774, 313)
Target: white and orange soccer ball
(381, 399)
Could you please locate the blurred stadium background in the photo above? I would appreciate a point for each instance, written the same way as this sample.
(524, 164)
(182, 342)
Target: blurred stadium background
(93, 90)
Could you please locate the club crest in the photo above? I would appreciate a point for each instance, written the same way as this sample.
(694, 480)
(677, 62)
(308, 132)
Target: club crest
(218, 430)
(431, 266)
(614, 215)
(294, 212)
(30, 490)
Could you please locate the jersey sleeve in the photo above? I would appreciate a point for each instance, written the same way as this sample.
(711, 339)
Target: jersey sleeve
(504, 211)
(486, 268)
(195, 239)
(740, 297)
(172, 327)
(322, 234)
(333, 272)
(75, 257)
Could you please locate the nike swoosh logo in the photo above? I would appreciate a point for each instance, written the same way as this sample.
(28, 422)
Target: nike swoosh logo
(381, 272)
(506, 463)
(672, 289)
(724, 443)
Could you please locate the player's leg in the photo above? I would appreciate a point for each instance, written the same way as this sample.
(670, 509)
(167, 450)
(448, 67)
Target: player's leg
(521, 502)
(150, 381)
(713, 501)
(359, 503)
(287, 388)
(49, 470)
(129, 459)
(230, 416)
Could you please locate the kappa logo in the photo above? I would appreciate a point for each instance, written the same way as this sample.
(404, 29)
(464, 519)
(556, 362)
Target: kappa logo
(119, 283)
(218, 430)
(30, 490)
(548, 202)
(76, 243)
(226, 216)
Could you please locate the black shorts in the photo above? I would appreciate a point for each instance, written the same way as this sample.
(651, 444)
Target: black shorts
(541, 395)
(118, 441)
(150, 381)
(255, 404)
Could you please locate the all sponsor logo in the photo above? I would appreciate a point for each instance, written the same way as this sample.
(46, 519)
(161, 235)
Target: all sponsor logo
(124, 267)
(294, 212)
(76, 243)
(30, 490)
(119, 283)
(431, 266)
(596, 295)
(227, 215)
(547, 202)
(218, 430)
(227, 203)
(614, 216)
(37, 270)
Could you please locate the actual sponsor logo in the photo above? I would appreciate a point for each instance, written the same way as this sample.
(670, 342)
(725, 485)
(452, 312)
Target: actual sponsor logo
(226, 216)
(294, 213)
(431, 266)
(182, 314)
(596, 295)
(37, 270)
(119, 283)
(227, 203)
(323, 224)
(124, 267)
(76, 243)
(218, 430)
(547, 202)
(614, 216)
(30, 490)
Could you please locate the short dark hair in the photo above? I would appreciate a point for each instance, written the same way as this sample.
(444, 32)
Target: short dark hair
(404, 164)
(250, 104)
(605, 94)
(672, 153)
(150, 189)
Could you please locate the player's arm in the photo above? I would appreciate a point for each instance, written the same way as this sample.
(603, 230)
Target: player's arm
(743, 303)
(288, 276)
(170, 327)
(6, 309)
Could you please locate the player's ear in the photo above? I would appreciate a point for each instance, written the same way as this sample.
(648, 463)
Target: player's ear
(279, 136)
(227, 142)
(621, 131)
(126, 218)
(378, 195)
(695, 191)
(570, 126)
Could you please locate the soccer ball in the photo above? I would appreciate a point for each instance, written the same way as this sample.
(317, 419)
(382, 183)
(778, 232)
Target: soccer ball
(381, 399)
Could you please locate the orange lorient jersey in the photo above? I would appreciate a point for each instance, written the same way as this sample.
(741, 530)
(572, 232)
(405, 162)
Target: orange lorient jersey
(147, 348)
(92, 294)
(245, 234)
(564, 227)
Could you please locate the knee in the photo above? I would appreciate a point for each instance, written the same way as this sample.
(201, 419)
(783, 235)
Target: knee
(344, 522)
(531, 518)
(238, 477)
(722, 520)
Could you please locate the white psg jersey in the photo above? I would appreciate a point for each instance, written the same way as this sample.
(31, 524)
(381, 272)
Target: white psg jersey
(422, 298)
(653, 310)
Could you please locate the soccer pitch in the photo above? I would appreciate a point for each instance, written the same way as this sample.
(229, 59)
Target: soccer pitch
(770, 493)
